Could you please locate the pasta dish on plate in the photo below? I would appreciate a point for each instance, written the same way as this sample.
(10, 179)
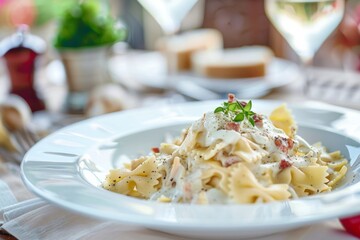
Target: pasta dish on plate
(232, 155)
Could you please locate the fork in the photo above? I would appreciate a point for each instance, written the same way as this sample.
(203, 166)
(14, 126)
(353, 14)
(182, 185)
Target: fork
(23, 139)
(10, 156)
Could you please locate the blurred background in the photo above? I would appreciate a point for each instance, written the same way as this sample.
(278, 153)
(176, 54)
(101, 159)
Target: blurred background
(62, 61)
(241, 23)
(93, 56)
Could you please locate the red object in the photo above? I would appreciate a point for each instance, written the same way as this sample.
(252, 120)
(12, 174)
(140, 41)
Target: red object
(20, 52)
(258, 120)
(284, 164)
(232, 126)
(155, 150)
(352, 225)
(290, 143)
(231, 160)
(243, 104)
(278, 142)
(231, 97)
(283, 144)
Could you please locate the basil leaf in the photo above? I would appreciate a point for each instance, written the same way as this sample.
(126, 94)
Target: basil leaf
(251, 120)
(233, 107)
(240, 111)
(248, 106)
(239, 104)
(219, 109)
(238, 118)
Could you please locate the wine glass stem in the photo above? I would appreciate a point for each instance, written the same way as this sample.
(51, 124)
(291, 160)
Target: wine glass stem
(307, 63)
(171, 68)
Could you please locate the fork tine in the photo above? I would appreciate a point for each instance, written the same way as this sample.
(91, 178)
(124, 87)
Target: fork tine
(18, 157)
(22, 142)
(33, 136)
(10, 156)
(26, 139)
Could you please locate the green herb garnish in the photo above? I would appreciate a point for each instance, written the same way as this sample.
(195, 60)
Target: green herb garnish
(238, 111)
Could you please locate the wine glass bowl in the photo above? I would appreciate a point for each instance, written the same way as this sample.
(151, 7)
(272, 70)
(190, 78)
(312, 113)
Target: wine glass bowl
(169, 14)
(305, 24)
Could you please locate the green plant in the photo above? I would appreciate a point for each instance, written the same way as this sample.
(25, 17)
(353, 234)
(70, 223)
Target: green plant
(87, 25)
(48, 10)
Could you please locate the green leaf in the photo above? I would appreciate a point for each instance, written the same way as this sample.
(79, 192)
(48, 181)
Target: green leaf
(238, 118)
(251, 120)
(219, 109)
(239, 104)
(248, 106)
(233, 107)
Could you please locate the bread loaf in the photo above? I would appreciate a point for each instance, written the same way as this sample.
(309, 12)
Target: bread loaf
(243, 62)
(178, 49)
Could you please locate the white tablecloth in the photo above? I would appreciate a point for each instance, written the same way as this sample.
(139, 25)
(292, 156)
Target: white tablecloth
(27, 217)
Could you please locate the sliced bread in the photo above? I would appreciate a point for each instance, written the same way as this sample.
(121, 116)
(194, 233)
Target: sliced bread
(179, 49)
(243, 62)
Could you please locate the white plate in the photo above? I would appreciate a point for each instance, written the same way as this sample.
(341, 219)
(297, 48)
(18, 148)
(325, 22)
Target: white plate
(149, 69)
(67, 167)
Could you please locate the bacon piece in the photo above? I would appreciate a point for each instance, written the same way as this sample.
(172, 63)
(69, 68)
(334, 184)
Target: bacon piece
(258, 120)
(231, 97)
(284, 144)
(187, 191)
(231, 160)
(284, 164)
(243, 104)
(232, 126)
(279, 144)
(290, 143)
(155, 150)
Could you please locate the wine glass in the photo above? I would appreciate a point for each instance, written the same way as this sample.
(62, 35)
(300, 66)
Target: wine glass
(305, 24)
(169, 14)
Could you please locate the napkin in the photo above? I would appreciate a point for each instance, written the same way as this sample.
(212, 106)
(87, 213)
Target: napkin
(27, 217)
(36, 219)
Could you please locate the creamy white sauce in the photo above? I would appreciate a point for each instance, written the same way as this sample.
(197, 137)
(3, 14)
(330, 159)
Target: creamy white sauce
(212, 130)
(215, 196)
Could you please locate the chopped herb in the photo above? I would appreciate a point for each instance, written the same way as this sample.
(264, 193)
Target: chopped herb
(241, 110)
(219, 109)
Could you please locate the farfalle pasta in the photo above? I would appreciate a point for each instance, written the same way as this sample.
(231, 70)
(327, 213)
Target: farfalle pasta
(232, 155)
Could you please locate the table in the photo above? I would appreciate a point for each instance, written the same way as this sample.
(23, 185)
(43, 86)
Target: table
(343, 84)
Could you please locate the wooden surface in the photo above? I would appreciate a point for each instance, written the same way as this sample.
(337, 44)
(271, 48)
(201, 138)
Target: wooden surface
(6, 236)
(238, 25)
